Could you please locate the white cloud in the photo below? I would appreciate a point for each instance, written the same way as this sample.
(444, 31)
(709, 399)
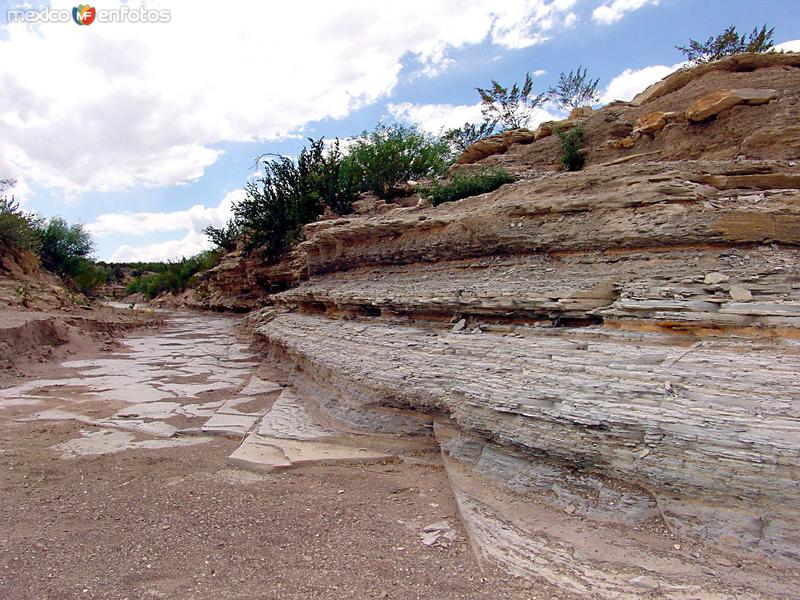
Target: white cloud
(20, 191)
(790, 46)
(111, 106)
(192, 243)
(612, 12)
(632, 81)
(192, 221)
(539, 73)
(434, 118)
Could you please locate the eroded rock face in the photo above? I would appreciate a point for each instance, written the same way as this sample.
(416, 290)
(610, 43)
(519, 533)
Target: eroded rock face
(607, 359)
(593, 339)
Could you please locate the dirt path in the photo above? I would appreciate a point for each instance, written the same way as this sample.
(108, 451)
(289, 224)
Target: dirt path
(113, 486)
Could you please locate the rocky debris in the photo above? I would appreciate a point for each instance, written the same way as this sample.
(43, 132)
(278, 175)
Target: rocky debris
(740, 294)
(714, 103)
(580, 112)
(440, 533)
(715, 278)
(653, 122)
(496, 144)
(549, 128)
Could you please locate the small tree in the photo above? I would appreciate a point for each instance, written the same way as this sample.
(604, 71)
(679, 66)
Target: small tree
(727, 43)
(574, 90)
(64, 247)
(463, 137)
(512, 107)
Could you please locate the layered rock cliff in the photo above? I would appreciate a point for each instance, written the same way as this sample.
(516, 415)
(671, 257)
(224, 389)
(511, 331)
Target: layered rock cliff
(607, 359)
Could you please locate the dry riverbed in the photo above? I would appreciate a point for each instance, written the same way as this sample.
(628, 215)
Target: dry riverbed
(115, 484)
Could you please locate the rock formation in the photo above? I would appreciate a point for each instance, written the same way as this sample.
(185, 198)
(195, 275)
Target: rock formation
(607, 359)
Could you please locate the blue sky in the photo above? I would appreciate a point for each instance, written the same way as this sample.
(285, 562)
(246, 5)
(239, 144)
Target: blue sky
(147, 132)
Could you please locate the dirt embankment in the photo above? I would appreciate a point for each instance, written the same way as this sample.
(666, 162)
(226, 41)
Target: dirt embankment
(42, 320)
(30, 340)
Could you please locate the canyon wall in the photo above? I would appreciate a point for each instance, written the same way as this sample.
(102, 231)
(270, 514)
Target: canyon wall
(607, 359)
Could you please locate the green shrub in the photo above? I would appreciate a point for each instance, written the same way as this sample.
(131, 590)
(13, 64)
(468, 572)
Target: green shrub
(571, 143)
(86, 275)
(463, 185)
(224, 238)
(64, 247)
(17, 229)
(389, 155)
(291, 194)
(173, 277)
(727, 43)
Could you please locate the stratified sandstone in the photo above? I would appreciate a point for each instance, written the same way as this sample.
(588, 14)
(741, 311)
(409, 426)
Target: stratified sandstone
(607, 359)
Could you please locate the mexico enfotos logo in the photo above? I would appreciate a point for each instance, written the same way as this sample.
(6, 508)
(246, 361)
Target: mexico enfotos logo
(85, 14)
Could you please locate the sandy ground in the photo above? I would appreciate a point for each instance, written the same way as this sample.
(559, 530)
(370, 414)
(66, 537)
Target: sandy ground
(179, 522)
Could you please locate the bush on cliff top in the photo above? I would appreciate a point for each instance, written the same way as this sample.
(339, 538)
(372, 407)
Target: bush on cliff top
(464, 185)
(17, 229)
(512, 107)
(292, 193)
(727, 43)
(463, 137)
(390, 155)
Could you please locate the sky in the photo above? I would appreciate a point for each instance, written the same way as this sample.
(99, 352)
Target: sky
(146, 131)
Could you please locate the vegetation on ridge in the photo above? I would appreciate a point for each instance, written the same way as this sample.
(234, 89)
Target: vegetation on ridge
(574, 90)
(727, 43)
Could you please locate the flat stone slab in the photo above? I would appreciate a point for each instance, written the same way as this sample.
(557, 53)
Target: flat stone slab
(290, 420)
(260, 386)
(150, 410)
(266, 454)
(107, 441)
(259, 457)
(221, 424)
(229, 407)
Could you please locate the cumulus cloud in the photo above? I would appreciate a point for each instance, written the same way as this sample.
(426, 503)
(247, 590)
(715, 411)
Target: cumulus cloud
(632, 81)
(111, 106)
(790, 46)
(191, 221)
(189, 245)
(434, 118)
(611, 12)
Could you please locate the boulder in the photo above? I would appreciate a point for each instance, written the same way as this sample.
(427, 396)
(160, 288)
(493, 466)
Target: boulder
(548, 128)
(655, 121)
(581, 112)
(651, 122)
(620, 144)
(718, 101)
(497, 144)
